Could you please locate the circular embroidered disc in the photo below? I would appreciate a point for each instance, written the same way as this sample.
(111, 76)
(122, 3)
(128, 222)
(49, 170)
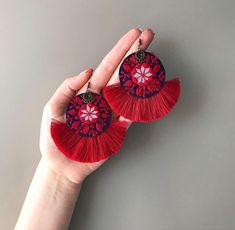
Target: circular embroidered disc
(88, 118)
(142, 79)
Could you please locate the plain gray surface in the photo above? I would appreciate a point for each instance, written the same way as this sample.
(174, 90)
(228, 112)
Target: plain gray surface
(174, 174)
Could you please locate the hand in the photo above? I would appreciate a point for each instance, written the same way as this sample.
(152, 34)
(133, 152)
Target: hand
(106, 73)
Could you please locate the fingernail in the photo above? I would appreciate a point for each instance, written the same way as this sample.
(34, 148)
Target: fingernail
(87, 70)
(151, 31)
(141, 29)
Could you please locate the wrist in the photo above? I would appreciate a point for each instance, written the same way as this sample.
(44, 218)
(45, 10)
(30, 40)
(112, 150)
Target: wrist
(50, 200)
(58, 178)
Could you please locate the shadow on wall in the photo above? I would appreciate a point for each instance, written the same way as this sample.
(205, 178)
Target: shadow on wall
(186, 109)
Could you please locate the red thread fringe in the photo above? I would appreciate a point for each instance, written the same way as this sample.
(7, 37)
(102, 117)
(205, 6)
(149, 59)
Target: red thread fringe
(147, 109)
(88, 149)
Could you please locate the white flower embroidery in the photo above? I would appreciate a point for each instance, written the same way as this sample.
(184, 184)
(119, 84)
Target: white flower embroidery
(142, 74)
(89, 113)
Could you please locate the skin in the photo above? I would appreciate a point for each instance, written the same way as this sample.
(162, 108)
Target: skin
(56, 184)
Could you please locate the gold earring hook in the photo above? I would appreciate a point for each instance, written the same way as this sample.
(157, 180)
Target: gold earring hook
(139, 44)
(87, 96)
(88, 84)
(140, 54)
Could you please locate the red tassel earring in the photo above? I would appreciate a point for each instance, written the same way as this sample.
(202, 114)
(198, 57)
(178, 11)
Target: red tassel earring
(142, 95)
(90, 134)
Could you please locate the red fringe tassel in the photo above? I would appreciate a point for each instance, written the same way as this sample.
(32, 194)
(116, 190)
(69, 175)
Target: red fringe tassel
(143, 110)
(88, 149)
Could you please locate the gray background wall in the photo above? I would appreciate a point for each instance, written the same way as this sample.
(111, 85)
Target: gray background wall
(174, 174)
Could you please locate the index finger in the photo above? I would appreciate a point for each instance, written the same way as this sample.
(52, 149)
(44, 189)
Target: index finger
(66, 91)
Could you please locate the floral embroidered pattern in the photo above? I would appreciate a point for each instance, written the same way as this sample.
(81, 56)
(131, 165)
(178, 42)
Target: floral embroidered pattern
(88, 113)
(88, 119)
(142, 80)
(142, 74)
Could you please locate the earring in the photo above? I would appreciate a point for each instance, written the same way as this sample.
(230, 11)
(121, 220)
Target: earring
(142, 95)
(89, 134)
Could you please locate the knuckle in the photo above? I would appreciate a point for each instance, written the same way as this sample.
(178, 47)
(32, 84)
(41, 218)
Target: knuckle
(67, 89)
(122, 48)
(47, 107)
(67, 80)
(107, 64)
